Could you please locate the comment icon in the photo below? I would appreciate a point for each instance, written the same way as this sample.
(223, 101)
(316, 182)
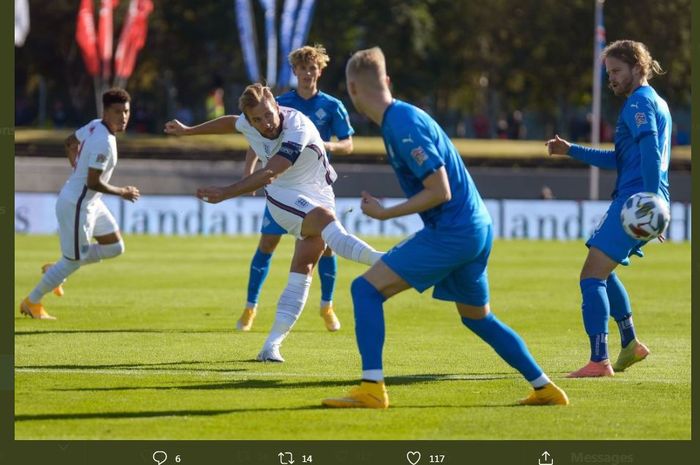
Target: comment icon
(160, 457)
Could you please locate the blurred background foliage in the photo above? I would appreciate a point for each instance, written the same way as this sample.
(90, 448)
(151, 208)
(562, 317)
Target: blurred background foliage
(460, 59)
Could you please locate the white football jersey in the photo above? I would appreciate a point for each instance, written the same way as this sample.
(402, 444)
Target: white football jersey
(98, 149)
(300, 143)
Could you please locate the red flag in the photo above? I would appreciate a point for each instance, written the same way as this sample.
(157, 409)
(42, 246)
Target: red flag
(104, 35)
(85, 36)
(133, 37)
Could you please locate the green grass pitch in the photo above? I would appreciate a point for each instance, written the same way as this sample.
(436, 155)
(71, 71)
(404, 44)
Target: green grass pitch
(144, 348)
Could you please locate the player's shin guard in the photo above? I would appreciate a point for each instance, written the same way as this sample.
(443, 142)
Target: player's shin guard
(259, 268)
(596, 311)
(369, 327)
(327, 271)
(507, 343)
(98, 252)
(289, 307)
(620, 309)
(54, 276)
(348, 246)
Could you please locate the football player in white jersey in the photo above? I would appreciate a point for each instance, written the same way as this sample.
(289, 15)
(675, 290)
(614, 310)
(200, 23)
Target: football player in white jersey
(298, 182)
(81, 213)
(331, 119)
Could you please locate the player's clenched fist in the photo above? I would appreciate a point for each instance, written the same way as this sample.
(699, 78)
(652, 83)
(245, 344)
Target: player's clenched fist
(131, 193)
(371, 206)
(175, 128)
(211, 194)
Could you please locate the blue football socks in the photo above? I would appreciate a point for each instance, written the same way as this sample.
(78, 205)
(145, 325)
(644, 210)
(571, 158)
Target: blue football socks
(259, 268)
(621, 309)
(369, 323)
(507, 343)
(596, 311)
(327, 271)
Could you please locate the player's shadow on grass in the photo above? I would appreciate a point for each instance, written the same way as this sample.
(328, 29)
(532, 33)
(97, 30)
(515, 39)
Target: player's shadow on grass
(118, 331)
(206, 413)
(137, 367)
(153, 414)
(285, 384)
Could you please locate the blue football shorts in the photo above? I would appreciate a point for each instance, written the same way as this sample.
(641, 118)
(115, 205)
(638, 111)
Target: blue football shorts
(454, 262)
(270, 226)
(611, 238)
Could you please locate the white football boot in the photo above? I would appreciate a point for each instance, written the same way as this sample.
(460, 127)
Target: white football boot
(270, 354)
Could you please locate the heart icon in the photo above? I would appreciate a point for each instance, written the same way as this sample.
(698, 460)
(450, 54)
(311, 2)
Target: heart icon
(413, 457)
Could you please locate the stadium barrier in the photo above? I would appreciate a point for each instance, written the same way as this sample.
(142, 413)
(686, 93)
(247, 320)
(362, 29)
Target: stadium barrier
(186, 215)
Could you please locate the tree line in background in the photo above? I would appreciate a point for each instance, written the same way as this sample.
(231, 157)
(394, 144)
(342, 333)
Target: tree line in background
(484, 69)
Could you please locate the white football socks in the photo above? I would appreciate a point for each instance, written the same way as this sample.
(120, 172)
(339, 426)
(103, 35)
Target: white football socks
(373, 375)
(540, 381)
(53, 277)
(348, 246)
(63, 268)
(289, 307)
(98, 252)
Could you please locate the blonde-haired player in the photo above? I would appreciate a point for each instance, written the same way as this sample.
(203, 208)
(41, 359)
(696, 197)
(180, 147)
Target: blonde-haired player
(298, 182)
(331, 119)
(450, 254)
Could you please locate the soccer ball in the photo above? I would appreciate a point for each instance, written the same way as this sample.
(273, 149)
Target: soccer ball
(645, 216)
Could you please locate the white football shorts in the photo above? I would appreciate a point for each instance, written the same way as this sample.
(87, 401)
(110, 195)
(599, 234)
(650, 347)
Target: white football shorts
(289, 207)
(79, 223)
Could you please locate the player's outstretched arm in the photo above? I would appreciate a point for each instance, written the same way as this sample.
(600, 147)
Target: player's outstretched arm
(95, 183)
(261, 178)
(222, 125)
(557, 146)
(72, 145)
(601, 158)
(436, 191)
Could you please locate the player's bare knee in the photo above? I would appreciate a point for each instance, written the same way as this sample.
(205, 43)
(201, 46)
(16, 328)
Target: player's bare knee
(593, 272)
(321, 216)
(597, 265)
(268, 243)
(473, 312)
(315, 221)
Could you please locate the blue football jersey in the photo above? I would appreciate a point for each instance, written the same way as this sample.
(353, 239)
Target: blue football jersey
(417, 147)
(644, 119)
(327, 113)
